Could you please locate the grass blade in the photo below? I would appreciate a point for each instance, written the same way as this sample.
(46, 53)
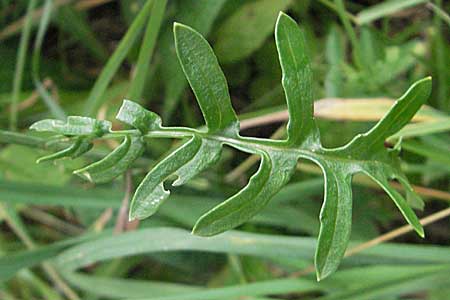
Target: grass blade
(94, 100)
(20, 64)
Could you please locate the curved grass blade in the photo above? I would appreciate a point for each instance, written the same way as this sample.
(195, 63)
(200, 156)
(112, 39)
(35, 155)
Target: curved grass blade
(335, 220)
(297, 82)
(274, 172)
(146, 50)
(94, 100)
(48, 99)
(206, 79)
(115, 163)
(20, 63)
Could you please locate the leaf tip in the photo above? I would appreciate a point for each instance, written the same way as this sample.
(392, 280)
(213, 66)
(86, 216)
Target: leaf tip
(179, 26)
(283, 17)
(201, 230)
(322, 273)
(83, 174)
(420, 231)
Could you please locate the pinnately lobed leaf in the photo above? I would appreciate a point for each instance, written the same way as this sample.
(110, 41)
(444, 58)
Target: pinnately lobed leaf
(364, 154)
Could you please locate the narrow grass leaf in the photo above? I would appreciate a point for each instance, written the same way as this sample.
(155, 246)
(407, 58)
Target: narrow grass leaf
(93, 102)
(147, 49)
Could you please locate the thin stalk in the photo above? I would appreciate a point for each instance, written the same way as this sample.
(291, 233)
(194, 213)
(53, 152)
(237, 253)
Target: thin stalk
(20, 64)
(147, 49)
(49, 101)
(333, 7)
(342, 12)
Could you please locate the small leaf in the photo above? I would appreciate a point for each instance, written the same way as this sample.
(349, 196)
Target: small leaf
(275, 170)
(395, 119)
(335, 219)
(382, 178)
(199, 14)
(185, 162)
(115, 163)
(74, 125)
(206, 79)
(135, 115)
(60, 154)
(81, 146)
(84, 146)
(297, 82)
(411, 196)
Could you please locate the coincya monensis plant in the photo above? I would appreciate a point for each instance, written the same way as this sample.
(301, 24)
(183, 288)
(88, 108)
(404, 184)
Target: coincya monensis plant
(366, 153)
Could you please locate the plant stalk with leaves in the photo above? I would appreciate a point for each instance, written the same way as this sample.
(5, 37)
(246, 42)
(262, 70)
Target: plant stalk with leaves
(366, 153)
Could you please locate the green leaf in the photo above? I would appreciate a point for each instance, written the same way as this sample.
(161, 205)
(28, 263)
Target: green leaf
(384, 9)
(198, 14)
(274, 172)
(12, 263)
(95, 99)
(206, 79)
(335, 219)
(76, 24)
(297, 82)
(381, 177)
(395, 119)
(187, 161)
(78, 148)
(366, 153)
(74, 125)
(115, 163)
(135, 115)
(247, 29)
(146, 51)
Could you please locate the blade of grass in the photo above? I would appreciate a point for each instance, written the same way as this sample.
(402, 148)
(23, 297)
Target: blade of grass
(439, 12)
(95, 99)
(75, 24)
(10, 264)
(18, 227)
(147, 49)
(384, 9)
(356, 51)
(49, 101)
(428, 151)
(20, 64)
